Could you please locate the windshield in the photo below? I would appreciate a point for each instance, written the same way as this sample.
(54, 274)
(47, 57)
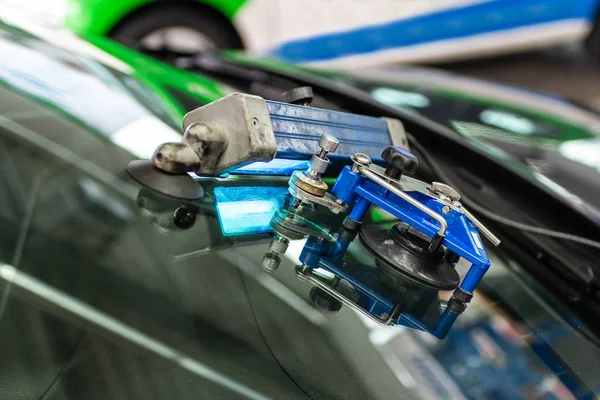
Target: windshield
(549, 140)
(105, 296)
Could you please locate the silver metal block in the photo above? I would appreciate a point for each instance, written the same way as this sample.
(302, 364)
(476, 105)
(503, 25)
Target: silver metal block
(245, 122)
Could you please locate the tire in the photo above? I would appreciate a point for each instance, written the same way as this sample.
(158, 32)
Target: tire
(133, 30)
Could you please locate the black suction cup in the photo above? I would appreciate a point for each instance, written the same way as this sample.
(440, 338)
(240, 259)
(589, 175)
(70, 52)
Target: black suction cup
(178, 186)
(403, 256)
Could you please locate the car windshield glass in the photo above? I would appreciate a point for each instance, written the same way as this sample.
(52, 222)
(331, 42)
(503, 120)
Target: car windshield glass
(118, 294)
(109, 290)
(447, 107)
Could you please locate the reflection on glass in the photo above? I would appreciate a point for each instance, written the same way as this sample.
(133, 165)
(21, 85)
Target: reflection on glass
(247, 210)
(142, 136)
(509, 121)
(400, 98)
(277, 166)
(586, 152)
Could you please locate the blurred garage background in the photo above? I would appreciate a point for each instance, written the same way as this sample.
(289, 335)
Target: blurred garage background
(544, 45)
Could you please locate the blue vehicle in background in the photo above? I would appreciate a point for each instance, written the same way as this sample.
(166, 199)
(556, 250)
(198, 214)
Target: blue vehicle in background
(428, 31)
(338, 33)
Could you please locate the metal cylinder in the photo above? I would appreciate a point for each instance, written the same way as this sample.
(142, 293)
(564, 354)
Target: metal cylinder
(328, 143)
(300, 95)
(318, 165)
(279, 244)
(270, 262)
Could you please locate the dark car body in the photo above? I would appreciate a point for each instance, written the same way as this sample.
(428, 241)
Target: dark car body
(103, 298)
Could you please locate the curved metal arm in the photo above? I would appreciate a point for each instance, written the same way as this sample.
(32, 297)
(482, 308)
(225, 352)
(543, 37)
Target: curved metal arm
(376, 178)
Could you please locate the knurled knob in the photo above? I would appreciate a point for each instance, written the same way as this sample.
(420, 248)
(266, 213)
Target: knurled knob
(399, 160)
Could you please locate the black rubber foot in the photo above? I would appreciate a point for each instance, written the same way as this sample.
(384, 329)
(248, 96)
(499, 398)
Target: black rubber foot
(178, 186)
(404, 256)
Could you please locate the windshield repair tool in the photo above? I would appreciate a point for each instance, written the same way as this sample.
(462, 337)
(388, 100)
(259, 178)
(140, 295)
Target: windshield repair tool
(412, 262)
(226, 135)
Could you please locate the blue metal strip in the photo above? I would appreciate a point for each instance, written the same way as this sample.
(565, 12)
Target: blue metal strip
(299, 128)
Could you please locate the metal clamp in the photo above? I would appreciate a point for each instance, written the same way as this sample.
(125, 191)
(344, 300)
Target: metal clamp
(394, 189)
(411, 184)
(326, 200)
(451, 197)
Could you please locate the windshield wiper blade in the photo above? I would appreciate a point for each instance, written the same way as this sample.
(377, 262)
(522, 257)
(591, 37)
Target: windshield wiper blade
(213, 64)
(575, 270)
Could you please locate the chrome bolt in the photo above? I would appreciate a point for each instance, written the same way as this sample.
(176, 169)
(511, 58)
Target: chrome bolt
(446, 210)
(319, 161)
(384, 316)
(270, 262)
(361, 158)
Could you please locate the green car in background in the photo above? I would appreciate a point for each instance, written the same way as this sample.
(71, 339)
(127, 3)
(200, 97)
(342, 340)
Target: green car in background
(180, 26)
(338, 33)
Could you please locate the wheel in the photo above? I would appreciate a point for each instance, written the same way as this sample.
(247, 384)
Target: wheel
(166, 32)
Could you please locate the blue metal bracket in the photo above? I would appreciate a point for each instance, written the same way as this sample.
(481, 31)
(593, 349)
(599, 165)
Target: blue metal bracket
(417, 308)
